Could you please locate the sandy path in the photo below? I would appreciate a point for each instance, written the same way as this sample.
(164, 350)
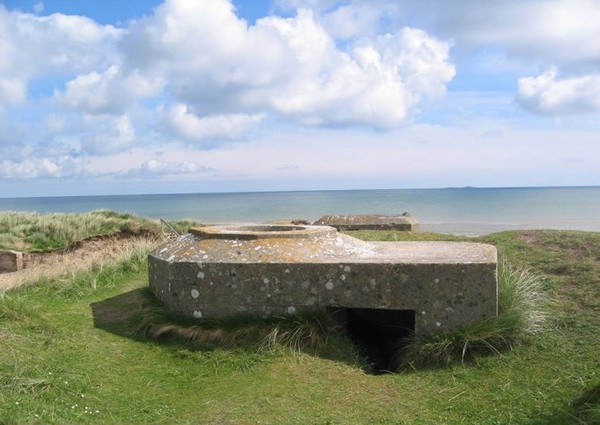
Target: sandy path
(81, 256)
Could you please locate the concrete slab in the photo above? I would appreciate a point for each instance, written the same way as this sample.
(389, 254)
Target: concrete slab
(222, 271)
(403, 222)
(10, 261)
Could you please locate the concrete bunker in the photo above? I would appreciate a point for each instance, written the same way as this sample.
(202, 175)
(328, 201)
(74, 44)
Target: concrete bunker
(399, 222)
(220, 271)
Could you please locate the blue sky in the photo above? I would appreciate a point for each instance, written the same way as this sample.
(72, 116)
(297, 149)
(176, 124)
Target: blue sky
(153, 96)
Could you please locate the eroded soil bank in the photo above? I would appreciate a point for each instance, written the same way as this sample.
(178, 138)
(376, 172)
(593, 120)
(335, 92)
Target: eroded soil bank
(80, 256)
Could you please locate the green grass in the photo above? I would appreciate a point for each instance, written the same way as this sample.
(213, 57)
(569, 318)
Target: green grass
(521, 313)
(315, 333)
(395, 236)
(43, 232)
(81, 350)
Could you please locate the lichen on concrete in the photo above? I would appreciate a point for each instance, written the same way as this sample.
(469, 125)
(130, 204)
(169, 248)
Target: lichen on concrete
(221, 271)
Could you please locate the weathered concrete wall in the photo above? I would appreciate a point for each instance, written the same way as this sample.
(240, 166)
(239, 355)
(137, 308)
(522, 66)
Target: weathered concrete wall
(402, 222)
(449, 284)
(10, 261)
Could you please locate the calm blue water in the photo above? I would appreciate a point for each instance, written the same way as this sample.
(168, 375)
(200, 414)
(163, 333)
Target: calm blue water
(464, 211)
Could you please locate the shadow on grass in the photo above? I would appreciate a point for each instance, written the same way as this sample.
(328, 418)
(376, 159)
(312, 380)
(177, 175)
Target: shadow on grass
(584, 410)
(121, 314)
(138, 315)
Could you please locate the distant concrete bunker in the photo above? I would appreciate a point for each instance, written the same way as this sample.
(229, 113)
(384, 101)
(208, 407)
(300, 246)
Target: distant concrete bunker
(403, 222)
(220, 271)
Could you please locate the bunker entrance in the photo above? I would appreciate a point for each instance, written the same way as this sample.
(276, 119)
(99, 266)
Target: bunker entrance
(379, 333)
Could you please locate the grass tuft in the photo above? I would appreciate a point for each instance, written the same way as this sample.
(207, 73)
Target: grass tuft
(521, 313)
(303, 332)
(521, 300)
(587, 407)
(80, 283)
(13, 309)
(299, 333)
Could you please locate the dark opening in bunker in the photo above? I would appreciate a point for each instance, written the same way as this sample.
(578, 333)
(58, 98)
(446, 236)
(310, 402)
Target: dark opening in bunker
(379, 333)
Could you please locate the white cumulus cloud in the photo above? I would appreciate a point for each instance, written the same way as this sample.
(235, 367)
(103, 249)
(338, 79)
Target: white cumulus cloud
(12, 90)
(288, 67)
(352, 20)
(109, 92)
(552, 31)
(193, 128)
(210, 75)
(515, 36)
(41, 46)
(35, 168)
(93, 135)
(118, 135)
(155, 168)
(548, 93)
(194, 73)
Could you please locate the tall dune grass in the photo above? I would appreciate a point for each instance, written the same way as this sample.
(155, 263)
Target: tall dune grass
(303, 332)
(78, 282)
(42, 232)
(521, 313)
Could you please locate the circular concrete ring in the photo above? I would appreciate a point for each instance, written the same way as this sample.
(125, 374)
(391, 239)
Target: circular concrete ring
(261, 231)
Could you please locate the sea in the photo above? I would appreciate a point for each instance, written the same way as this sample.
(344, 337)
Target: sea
(465, 211)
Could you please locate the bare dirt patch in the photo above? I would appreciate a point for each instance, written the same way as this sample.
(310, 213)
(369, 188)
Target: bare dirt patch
(528, 237)
(80, 256)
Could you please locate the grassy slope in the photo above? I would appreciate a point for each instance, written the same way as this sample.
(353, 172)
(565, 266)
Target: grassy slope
(43, 232)
(67, 356)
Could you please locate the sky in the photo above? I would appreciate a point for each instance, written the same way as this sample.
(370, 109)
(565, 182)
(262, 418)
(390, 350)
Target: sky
(174, 96)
